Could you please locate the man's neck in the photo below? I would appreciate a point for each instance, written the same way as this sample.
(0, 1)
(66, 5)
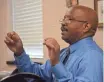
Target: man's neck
(78, 39)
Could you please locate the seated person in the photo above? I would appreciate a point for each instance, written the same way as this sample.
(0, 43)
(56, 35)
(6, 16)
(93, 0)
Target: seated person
(81, 61)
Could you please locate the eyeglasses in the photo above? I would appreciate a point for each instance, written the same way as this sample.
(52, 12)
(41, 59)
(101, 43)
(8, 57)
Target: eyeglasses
(67, 20)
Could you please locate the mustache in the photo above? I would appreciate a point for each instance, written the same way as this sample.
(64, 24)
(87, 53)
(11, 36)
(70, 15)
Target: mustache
(63, 28)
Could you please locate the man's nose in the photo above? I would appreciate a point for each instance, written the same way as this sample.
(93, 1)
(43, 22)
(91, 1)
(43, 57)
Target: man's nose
(62, 23)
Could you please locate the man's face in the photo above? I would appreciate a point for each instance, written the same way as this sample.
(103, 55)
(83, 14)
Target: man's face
(71, 26)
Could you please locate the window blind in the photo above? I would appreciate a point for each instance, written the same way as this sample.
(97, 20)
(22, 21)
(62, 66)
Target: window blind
(28, 23)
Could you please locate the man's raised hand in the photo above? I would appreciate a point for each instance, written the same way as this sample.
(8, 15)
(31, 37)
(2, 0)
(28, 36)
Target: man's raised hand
(14, 43)
(53, 49)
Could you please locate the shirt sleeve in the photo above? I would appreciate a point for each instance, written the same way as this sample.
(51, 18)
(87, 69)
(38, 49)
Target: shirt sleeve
(24, 64)
(90, 69)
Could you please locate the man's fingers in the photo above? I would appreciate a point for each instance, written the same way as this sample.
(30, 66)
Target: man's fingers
(10, 34)
(6, 41)
(9, 40)
(47, 39)
(13, 35)
(51, 41)
(15, 38)
(49, 45)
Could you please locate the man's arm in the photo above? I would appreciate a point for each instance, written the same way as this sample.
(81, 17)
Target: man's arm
(90, 69)
(14, 43)
(24, 64)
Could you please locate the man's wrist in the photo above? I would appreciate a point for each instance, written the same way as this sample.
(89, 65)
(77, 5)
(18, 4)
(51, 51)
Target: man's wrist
(19, 53)
(53, 63)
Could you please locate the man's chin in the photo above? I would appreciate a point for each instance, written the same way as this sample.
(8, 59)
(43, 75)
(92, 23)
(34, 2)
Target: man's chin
(66, 40)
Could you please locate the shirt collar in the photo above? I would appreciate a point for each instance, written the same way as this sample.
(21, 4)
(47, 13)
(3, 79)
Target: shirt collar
(76, 45)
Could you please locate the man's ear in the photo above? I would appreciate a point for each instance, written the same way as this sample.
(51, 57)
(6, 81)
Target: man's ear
(87, 27)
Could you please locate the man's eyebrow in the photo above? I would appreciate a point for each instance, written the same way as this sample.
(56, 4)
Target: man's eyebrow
(67, 16)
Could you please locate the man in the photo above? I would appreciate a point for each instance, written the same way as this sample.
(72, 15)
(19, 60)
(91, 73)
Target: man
(85, 62)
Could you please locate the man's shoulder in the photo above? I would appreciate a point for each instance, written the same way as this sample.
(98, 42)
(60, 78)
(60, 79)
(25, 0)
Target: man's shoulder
(92, 53)
(93, 49)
